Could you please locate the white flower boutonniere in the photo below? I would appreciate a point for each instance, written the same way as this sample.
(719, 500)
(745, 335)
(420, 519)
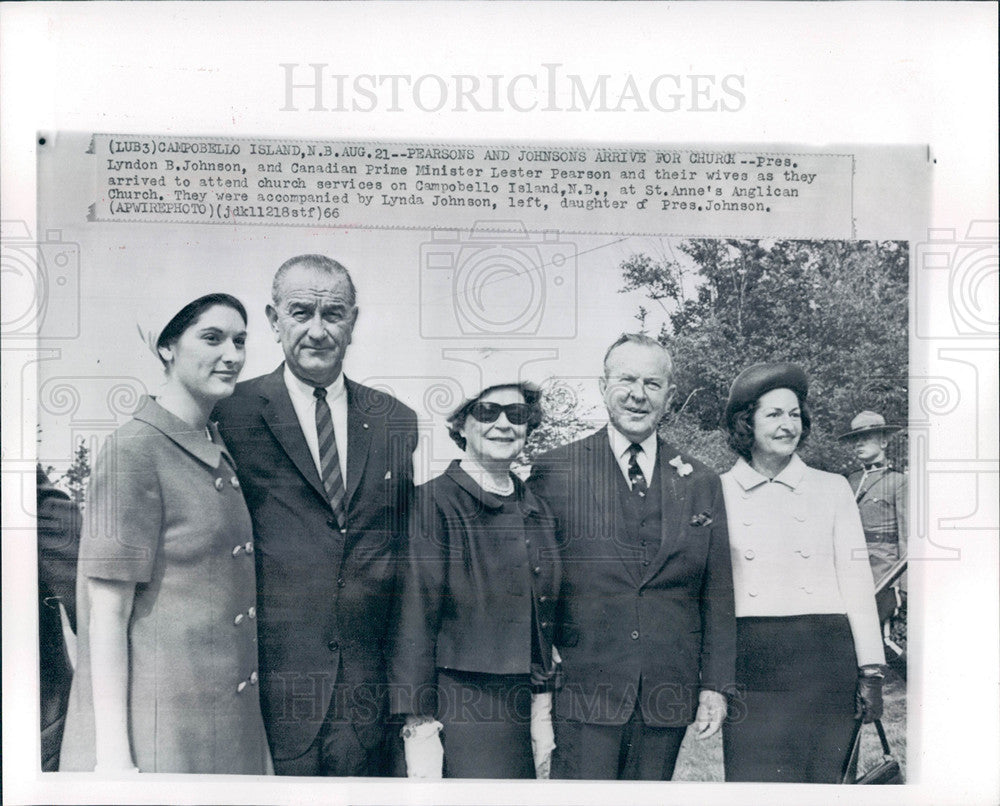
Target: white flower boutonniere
(682, 467)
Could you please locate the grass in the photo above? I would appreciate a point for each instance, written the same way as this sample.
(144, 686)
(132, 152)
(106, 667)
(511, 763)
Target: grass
(702, 760)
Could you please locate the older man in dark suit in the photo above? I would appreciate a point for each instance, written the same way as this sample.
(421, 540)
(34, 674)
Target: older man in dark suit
(645, 623)
(326, 466)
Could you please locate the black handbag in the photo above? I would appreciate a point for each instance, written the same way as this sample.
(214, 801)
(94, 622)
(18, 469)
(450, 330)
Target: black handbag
(886, 772)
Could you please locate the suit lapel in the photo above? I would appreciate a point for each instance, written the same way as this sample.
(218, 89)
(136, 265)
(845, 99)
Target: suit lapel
(279, 415)
(602, 472)
(672, 494)
(359, 437)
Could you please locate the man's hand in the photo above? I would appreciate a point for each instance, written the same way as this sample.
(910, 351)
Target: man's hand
(711, 712)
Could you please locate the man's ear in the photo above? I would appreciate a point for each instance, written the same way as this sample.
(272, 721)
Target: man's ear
(671, 391)
(354, 320)
(602, 384)
(272, 318)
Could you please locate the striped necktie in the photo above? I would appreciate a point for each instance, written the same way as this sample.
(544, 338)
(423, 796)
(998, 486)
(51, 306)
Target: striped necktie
(635, 475)
(329, 460)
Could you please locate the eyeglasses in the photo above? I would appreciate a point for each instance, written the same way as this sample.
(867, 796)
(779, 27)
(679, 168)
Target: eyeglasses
(517, 413)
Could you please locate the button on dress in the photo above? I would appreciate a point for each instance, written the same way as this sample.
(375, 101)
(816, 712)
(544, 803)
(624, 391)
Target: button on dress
(156, 516)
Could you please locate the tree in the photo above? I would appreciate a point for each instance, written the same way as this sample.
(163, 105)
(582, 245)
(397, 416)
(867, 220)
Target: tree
(838, 308)
(565, 418)
(75, 478)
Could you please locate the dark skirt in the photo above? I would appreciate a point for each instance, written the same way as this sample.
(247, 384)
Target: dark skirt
(487, 724)
(792, 716)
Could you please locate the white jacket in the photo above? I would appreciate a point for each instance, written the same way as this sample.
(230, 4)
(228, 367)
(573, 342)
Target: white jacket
(798, 548)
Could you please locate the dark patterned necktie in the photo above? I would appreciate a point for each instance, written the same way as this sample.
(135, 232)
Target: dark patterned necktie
(635, 475)
(329, 460)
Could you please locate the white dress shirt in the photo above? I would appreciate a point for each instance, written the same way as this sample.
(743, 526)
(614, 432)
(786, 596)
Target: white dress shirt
(646, 457)
(304, 403)
(798, 548)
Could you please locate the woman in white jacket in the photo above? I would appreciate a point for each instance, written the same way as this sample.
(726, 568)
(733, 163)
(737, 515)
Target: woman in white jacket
(809, 649)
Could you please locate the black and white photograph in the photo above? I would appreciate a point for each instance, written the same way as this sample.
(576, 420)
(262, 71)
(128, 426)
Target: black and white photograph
(387, 466)
(504, 551)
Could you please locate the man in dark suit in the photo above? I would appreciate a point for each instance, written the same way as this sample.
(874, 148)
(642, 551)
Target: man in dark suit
(645, 622)
(59, 523)
(326, 466)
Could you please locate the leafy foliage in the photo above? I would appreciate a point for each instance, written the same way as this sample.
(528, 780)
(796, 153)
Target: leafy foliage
(564, 420)
(838, 308)
(75, 478)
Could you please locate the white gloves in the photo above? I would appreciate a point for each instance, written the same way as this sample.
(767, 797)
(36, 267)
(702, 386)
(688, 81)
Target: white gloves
(543, 740)
(425, 753)
(422, 747)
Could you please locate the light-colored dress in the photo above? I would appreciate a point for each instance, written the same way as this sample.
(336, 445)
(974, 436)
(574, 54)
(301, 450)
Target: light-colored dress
(165, 511)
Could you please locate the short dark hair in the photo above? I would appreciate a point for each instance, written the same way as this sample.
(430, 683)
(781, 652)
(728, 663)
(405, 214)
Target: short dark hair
(320, 262)
(739, 426)
(643, 341)
(457, 420)
(190, 313)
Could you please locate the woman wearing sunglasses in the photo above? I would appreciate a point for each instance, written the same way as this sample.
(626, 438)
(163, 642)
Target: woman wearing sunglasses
(472, 667)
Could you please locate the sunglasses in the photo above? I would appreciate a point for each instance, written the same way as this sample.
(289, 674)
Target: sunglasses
(517, 413)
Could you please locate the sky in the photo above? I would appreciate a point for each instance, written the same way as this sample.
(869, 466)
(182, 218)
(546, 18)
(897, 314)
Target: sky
(410, 337)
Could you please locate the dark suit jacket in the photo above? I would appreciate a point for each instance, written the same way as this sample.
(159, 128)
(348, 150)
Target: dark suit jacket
(324, 596)
(479, 587)
(670, 625)
(58, 545)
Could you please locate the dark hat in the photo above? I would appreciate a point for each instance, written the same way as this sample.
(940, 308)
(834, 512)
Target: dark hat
(759, 379)
(868, 422)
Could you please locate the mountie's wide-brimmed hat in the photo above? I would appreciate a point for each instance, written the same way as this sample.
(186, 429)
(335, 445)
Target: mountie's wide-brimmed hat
(760, 379)
(869, 422)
